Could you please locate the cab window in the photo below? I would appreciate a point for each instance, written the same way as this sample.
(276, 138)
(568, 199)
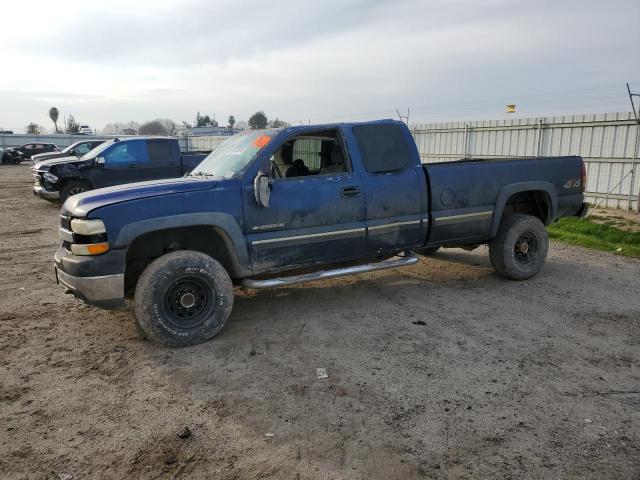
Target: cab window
(160, 151)
(127, 152)
(383, 147)
(317, 153)
(82, 149)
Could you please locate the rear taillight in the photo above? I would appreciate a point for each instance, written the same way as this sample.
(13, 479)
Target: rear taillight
(583, 177)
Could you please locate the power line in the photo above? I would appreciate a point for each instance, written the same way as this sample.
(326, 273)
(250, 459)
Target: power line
(582, 92)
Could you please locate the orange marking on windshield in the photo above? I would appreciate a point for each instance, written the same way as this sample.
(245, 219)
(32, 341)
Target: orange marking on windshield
(261, 141)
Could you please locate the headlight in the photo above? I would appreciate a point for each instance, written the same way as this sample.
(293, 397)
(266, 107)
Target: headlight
(50, 177)
(87, 227)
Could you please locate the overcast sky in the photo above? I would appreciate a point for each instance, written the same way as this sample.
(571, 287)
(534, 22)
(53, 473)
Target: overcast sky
(321, 61)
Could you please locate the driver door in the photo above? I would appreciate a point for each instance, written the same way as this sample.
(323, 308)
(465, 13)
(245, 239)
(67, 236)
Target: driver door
(315, 218)
(123, 162)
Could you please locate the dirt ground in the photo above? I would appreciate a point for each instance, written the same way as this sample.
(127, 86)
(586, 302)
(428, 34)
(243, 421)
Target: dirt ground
(624, 220)
(439, 370)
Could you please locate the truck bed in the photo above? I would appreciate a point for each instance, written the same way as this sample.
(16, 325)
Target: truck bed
(468, 194)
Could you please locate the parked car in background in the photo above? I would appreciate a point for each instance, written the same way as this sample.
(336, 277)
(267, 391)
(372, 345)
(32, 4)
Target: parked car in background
(77, 149)
(15, 155)
(113, 163)
(297, 203)
(85, 130)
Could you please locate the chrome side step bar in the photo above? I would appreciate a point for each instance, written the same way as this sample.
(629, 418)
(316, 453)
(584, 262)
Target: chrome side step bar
(395, 262)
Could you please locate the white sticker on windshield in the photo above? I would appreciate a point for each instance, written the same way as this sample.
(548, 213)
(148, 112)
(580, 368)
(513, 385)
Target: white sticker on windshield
(237, 151)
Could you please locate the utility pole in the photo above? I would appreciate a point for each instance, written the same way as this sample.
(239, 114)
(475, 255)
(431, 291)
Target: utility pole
(403, 118)
(635, 150)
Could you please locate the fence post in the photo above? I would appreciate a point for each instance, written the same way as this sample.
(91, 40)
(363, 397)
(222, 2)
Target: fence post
(466, 140)
(633, 172)
(539, 145)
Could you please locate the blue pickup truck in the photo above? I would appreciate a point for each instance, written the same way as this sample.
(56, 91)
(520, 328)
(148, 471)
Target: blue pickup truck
(277, 207)
(112, 163)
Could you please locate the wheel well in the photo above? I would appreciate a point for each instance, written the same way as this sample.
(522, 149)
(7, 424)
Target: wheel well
(149, 246)
(533, 202)
(75, 179)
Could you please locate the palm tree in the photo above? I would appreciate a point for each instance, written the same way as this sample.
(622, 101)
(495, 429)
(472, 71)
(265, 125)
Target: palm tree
(53, 115)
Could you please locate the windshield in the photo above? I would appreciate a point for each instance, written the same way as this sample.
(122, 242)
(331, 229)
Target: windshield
(234, 154)
(97, 151)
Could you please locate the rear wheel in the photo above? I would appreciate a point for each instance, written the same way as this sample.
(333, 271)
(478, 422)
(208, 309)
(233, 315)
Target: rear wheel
(71, 188)
(520, 248)
(183, 298)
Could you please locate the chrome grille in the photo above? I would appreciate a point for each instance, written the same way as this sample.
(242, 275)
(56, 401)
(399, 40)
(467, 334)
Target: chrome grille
(65, 222)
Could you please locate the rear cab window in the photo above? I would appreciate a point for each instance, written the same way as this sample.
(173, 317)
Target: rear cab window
(160, 151)
(383, 147)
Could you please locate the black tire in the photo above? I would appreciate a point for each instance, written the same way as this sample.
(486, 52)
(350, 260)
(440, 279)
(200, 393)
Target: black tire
(520, 248)
(71, 188)
(426, 251)
(183, 298)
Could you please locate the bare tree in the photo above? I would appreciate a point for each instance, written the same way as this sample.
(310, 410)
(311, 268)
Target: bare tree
(53, 115)
(114, 128)
(120, 128)
(72, 125)
(153, 127)
(277, 123)
(169, 126)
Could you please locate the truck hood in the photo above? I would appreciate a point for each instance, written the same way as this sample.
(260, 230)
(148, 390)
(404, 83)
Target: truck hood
(80, 205)
(40, 157)
(45, 164)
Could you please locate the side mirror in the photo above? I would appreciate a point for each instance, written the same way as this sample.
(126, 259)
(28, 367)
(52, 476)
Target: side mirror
(72, 152)
(100, 161)
(261, 189)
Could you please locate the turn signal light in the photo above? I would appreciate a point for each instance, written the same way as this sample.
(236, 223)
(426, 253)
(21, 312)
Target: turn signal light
(89, 248)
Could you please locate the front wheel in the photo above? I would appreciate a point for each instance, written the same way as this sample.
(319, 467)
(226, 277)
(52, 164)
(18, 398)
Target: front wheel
(71, 188)
(183, 298)
(520, 248)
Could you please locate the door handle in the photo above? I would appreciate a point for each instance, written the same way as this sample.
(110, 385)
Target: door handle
(348, 192)
(133, 165)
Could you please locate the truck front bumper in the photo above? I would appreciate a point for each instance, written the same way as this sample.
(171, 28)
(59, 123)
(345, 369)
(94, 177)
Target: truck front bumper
(103, 291)
(46, 194)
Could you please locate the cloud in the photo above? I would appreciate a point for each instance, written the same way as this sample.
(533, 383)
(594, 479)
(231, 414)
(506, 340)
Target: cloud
(302, 60)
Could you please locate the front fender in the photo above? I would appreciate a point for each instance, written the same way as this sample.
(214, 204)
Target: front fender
(510, 190)
(225, 223)
(66, 172)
